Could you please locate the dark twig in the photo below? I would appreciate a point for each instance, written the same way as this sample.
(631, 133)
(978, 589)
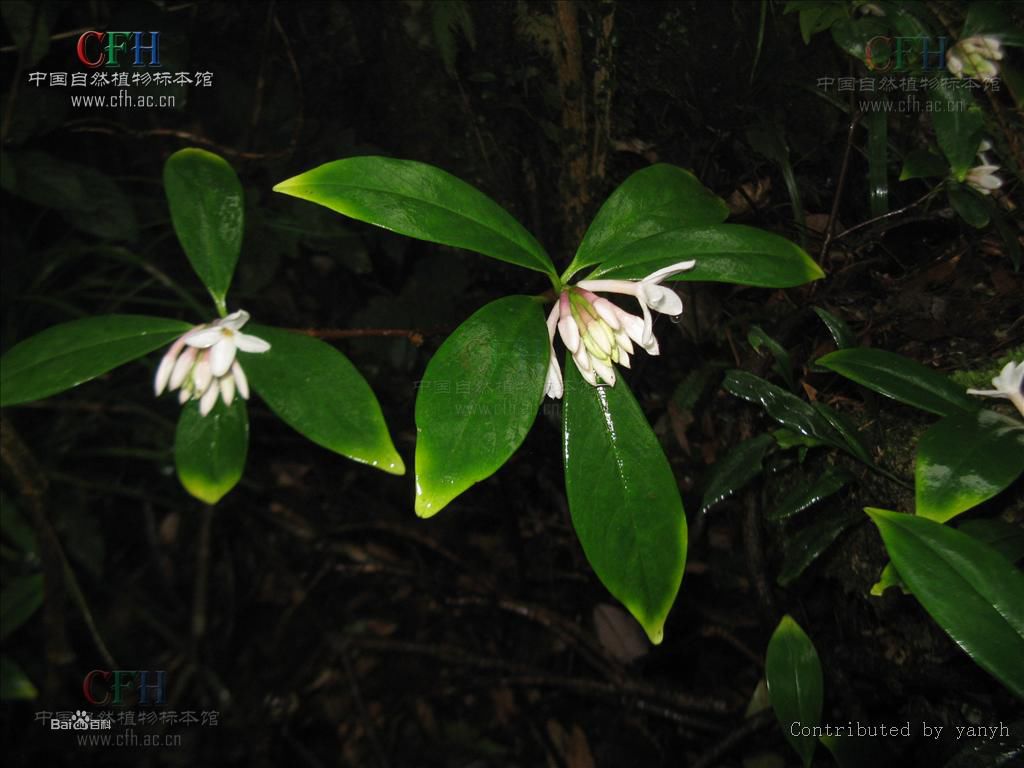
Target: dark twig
(755, 556)
(840, 186)
(891, 214)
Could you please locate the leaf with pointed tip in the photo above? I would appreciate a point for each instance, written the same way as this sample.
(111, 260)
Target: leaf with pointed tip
(900, 378)
(208, 213)
(957, 130)
(210, 451)
(14, 683)
(421, 201)
(733, 471)
(623, 499)
(69, 354)
(725, 253)
(795, 688)
(972, 591)
(315, 390)
(478, 399)
(809, 493)
(653, 200)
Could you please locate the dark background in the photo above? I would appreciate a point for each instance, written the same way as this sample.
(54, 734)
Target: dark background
(322, 620)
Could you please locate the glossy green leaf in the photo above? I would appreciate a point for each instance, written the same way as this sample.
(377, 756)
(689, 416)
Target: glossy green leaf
(957, 130)
(210, 451)
(725, 253)
(1006, 538)
(208, 213)
(421, 201)
(900, 378)
(808, 543)
(965, 459)
(732, 472)
(854, 34)
(852, 443)
(69, 354)
(877, 123)
(795, 688)
(785, 407)
(623, 498)
(787, 438)
(653, 200)
(314, 389)
(810, 492)
(478, 399)
(19, 600)
(975, 594)
(923, 164)
(14, 683)
(782, 365)
(841, 333)
(970, 206)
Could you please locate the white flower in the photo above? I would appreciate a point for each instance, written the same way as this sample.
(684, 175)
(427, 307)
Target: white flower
(975, 56)
(1009, 384)
(202, 362)
(983, 179)
(599, 334)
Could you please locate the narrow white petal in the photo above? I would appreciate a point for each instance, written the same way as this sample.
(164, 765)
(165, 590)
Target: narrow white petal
(553, 381)
(204, 338)
(606, 371)
(672, 269)
(570, 333)
(201, 375)
(987, 392)
(163, 372)
(607, 312)
(651, 346)
(240, 380)
(582, 358)
(182, 366)
(235, 320)
(661, 299)
(626, 287)
(601, 336)
(222, 355)
(208, 400)
(552, 322)
(253, 344)
(184, 396)
(633, 326)
(227, 389)
(624, 358)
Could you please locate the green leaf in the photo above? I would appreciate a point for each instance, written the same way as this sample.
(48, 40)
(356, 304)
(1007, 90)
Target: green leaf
(20, 599)
(769, 140)
(958, 130)
(965, 459)
(785, 407)
(807, 494)
(923, 164)
(877, 123)
(851, 439)
(840, 331)
(795, 689)
(210, 451)
(737, 468)
(725, 253)
(653, 200)
(804, 547)
(975, 594)
(970, 206)
(29, 26)
(1006, 538)
(853, 35)
(421, 201)
(623, 498)
(314, 389)
(14, 683)
(782, 365)
(14, 527)
(208, 213)
(888, 578)
(478, 399)
(69, 354)
(900, 378)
